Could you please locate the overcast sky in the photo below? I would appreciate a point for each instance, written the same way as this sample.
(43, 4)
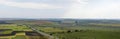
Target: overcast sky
(93, 9)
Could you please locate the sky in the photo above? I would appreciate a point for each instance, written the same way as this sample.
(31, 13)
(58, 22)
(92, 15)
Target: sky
(80, 9)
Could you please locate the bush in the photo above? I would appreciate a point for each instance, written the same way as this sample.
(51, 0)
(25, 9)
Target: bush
(69, 31)
(76, 30)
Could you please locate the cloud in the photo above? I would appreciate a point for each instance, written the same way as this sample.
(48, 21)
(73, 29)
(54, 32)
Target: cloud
(75, 9)
(101, 9)
(28, 5)
(106, 10)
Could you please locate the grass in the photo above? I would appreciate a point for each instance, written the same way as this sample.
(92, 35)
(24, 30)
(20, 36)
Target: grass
(20, 37)
(15, 27)
(92, 28)
(89, 35)
(4, 38)
(6, 32)
(50, 29)
(102, 24)
(90, 32)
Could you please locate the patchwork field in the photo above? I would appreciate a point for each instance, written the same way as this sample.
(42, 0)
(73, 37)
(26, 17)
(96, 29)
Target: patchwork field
(15, 27)
(14, 31)
(81, 29)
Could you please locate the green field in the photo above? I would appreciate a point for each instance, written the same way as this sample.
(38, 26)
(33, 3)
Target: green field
(50, 29)
(79, 32)
(20, 37)
(89, 35)
(15, 27)
(86, 30)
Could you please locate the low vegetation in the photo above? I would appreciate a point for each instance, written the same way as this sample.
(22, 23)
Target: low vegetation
(81, 29)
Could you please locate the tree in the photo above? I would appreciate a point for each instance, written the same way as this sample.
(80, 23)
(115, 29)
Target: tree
(69, 31)
(76, 30)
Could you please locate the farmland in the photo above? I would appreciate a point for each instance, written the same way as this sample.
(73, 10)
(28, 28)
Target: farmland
(89, 35)
(15, 27)
(80, 32)
(14, 31)
(60, 29)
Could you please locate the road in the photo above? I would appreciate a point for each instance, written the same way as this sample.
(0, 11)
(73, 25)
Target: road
(44, 34)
